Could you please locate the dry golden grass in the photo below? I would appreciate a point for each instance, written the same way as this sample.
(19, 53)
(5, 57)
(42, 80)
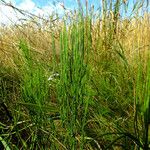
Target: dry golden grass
(133, 34)
(111, 85)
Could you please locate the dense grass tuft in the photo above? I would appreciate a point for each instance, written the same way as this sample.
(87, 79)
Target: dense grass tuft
(83, 83)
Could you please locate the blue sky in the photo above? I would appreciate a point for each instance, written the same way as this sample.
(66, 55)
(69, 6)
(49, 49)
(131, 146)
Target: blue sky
(46, 7)
(71, 4)
(37, 7)
(67, 2)
(37, 2)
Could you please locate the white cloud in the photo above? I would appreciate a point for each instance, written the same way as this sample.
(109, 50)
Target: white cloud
(9, 15)
(49, 9)
(44, 11)
(27, 5)
(10, 1)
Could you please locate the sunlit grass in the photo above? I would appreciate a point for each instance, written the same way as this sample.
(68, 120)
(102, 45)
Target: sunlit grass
(83, 83)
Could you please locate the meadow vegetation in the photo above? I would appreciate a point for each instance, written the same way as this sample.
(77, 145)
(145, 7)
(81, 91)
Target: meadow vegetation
(77, 82)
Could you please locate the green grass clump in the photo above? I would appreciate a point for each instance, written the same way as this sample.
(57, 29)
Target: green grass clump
(72, 89)
(83, 84)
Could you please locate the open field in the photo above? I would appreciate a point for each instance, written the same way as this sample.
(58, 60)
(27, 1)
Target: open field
(77, 82)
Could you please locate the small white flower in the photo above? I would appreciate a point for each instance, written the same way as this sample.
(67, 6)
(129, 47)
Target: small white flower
(50, 78)
(53, 76)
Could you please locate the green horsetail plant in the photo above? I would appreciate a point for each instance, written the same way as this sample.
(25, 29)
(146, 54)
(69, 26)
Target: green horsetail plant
(141, 135)
(34, 90)
(142, 101)
(73, 94)
(146, 107)
(34, 93)
(54, 53)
